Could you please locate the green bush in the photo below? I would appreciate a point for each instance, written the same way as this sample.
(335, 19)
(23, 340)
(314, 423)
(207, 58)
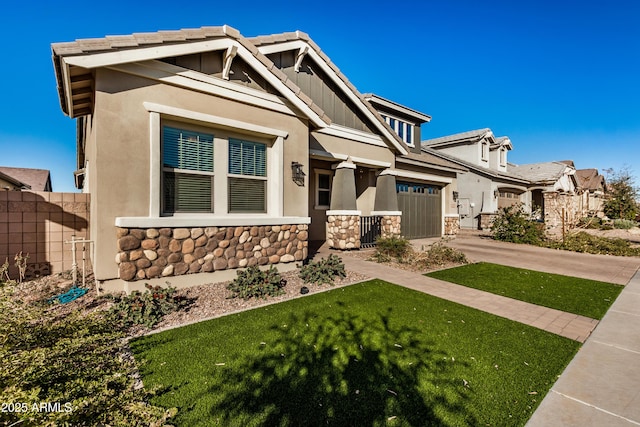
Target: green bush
(585, 242)
(254, 282)
(624, 224)
(388, 248)
(146, 308)
(323, 271)
(590, 222)
(513, 225)
(77, 361)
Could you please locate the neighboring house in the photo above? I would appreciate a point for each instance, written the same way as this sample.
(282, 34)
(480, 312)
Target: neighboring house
(593, 188)
(205, 151)
(24, 179)
(486, 186)
(557, 176)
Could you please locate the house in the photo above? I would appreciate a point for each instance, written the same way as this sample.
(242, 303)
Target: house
(556, 176)
(205, 151)
(593, 188)
(486, 185)
(24, 179)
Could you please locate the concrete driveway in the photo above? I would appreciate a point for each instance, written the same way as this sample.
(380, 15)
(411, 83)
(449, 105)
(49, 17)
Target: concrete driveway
(605, 268)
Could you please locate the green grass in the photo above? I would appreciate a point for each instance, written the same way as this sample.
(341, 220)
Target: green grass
(588, 298)
(370, 354)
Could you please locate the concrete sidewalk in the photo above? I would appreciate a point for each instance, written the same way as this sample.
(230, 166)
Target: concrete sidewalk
(601, 385)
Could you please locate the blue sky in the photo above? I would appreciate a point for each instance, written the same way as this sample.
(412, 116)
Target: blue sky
(560, 78)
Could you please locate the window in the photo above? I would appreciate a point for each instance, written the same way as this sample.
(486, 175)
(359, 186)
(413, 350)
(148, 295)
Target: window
(503, 157)
(187, 170)
(403, 129)
(485, 150)
(323, 189)
(247, 177)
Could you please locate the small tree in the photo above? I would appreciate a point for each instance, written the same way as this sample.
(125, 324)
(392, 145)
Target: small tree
(622, 194)
(513, 225)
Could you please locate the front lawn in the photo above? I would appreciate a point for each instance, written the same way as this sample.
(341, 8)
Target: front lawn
(369, 354)
(588, 298)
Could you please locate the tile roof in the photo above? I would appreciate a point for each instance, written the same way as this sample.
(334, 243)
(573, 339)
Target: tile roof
(472, 135)
(590, 179)
(37, 179)
(540, 172)
(473, 167)
(429, 158)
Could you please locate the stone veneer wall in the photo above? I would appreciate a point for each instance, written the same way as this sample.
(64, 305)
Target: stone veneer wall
(451, 225)
(343, 231)
(390, 226)
(164, 252)
(486, 220)
(554, 205)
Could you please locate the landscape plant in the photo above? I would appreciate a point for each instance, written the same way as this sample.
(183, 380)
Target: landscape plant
(624, 224)
(512, 224)
(394, 247)
(146, 308)
(622, 194)
(323, 271)
(256, 283)
(70, 369)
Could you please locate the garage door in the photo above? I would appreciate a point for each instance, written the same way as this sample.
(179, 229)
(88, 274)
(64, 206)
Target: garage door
(421, 206)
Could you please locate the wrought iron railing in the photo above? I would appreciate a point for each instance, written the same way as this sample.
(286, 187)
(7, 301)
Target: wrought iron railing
(370, 230)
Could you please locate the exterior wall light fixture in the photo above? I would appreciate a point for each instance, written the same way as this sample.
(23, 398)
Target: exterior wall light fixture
(297, 174)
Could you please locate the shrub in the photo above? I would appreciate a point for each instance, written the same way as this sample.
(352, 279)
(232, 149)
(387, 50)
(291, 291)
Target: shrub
(624, 224)
(323, 271)
(254, 282)
(146, 308)
(590, 222)
(76, 360)
(391, 247)
(440, 254)
(585, 242)
(513, 225)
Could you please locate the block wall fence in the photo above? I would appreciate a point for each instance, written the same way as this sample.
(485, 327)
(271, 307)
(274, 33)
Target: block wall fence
(38, 223)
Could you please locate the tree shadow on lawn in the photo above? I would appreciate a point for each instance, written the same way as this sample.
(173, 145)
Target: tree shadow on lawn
(340, 370)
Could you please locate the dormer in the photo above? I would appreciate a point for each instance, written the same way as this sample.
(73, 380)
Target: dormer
(498, 153)
(402, 120)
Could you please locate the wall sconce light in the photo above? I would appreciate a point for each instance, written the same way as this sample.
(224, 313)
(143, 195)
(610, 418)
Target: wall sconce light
(495, 193)
(297, 174)
(455, 196)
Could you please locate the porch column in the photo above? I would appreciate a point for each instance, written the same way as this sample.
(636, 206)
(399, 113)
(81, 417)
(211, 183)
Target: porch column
(343, 218)
(386, 204)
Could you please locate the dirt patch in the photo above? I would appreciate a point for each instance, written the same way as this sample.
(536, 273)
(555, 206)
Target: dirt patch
(632, 235)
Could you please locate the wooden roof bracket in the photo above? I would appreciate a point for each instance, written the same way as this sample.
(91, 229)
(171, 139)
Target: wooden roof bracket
(228, 59)
(299, 57)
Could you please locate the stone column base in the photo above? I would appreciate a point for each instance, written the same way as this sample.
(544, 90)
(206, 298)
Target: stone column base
(451, 225)
(343, 229)
(390, 226)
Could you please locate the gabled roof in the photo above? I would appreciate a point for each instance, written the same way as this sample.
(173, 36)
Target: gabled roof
(306, 46)
(502, 141)
(468, 137)
(74, 62)
(394, 106)
(33, 179)
(590, 179)
(429, 159)
(545, 172)
(473, 167)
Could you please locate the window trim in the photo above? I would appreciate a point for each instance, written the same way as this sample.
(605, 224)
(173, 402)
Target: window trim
(275, 168)
(503, 156)
(317, 173)
(400, 123)
(484, 151)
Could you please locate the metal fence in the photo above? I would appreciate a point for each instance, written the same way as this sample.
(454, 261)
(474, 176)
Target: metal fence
(370, 229)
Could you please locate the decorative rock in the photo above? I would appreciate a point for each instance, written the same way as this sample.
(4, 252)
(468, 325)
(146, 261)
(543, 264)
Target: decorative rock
(220, 264)
(152, 233)
(298, 255)
(151, 255)
(210, 231)
(135, 255)
(303, 235)
(196, 232)
(207, 267)
(175, 245)
(188, 258)
(211, 245)
(201, 241)
(281, 251)
(254, 231)
(200, 252)
(160, 262)
(149, 244)
(168, 271)
(265, 243)
(163, 241)
(121, 232)
(229, 233)
(240, 254)
(143, 263)
(273, 259)
(275, 228)
(218, 252)
(165, 232)
(208, 257)
(220, 235)
(243, 262)
(141, 275)
(180, 268)
(128, 243)
(188, 246)
(287, 258)
(174, 257)
(127, 270)
(233, 263)
(181, 233)
(229, 252)
(153, 271)
(252, 261)
(244, 237)
(224, 244)
(137, 233)
(263, 260)
(238, 231)
(271, 251)
(194, 267)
